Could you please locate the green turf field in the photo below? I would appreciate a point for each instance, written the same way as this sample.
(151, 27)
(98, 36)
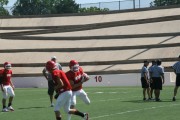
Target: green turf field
(107, 103)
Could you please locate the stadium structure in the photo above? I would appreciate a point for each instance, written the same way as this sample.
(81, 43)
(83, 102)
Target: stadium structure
(112, 45)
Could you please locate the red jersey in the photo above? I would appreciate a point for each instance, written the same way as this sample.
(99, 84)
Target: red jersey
(60, 74)
(75, 77)
(7, 74)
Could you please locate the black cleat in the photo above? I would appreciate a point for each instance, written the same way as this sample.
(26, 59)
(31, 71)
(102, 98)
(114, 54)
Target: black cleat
(174, 99)
(144, 99)
(158, 100)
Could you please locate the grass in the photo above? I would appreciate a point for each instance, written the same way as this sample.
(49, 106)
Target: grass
(107, 103)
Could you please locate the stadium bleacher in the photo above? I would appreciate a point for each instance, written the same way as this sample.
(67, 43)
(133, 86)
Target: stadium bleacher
(102, 43)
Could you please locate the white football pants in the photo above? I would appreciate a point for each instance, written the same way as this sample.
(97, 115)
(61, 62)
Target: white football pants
(63, 100)
(82, 95)
(8, 90)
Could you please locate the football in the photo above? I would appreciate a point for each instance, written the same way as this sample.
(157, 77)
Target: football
(85, 77)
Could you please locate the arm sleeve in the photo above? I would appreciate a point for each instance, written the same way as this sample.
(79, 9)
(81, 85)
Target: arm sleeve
(55, 75)
(81, 70)
(59, 66)
(162, 70)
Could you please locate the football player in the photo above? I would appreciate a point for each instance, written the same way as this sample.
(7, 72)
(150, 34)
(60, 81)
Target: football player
(50, 81)
(7, 87)
(77, 77)
(63, 86)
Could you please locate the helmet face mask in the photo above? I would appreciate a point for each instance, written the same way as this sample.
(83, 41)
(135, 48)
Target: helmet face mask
(7, 65)
(50, 65)
(75, 68)
(74, 65)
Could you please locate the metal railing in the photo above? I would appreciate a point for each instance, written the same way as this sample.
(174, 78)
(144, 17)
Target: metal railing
(129, 4)
(122, 4)
(119, 5)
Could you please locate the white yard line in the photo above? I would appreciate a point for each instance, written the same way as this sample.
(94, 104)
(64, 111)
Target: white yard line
(113, 92)
(132, 111)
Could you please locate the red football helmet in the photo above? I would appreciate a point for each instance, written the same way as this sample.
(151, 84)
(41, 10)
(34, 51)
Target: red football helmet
(74, 65)
(50, 65)
(7, 65)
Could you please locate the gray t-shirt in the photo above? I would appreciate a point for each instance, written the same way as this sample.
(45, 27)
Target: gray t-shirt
(49, 76)
(157, 71)
(59, 67)
(176, 67)
(150, 68)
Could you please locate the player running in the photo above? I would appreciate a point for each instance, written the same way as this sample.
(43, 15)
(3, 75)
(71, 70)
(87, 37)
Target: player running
(77, 77)
(63, 86)
(7, 87)
(48, 76)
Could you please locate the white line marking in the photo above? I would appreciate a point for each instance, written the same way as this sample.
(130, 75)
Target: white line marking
(113, 92)
(131, 111)
(99, 92)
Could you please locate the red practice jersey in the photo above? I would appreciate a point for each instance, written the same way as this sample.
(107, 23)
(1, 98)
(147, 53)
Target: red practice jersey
(75, 77)
(60, 74)
(7, 74)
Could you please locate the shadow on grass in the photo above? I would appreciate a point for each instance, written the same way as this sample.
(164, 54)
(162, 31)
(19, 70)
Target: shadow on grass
(31, 108)
(148, 101)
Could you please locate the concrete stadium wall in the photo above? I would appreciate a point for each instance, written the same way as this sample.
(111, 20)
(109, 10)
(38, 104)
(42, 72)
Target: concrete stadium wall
(95, 81)
(113, 37)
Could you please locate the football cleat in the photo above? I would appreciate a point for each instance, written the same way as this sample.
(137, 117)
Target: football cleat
(174, 99)
(5, 110)
(52, 105)
(10, 108)
(86, 116)
(158, 100)
(144, 99)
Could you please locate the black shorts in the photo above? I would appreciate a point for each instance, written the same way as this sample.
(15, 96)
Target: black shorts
(50, 87)
(157, 83)
(144, 83)
(178, 79)
(151, 85)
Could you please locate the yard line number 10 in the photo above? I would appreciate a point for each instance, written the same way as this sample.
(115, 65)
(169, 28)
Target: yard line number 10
(98, 78)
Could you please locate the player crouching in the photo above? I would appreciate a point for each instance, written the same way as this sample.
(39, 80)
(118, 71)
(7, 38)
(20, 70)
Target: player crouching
(63, 86)
(7, 87)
